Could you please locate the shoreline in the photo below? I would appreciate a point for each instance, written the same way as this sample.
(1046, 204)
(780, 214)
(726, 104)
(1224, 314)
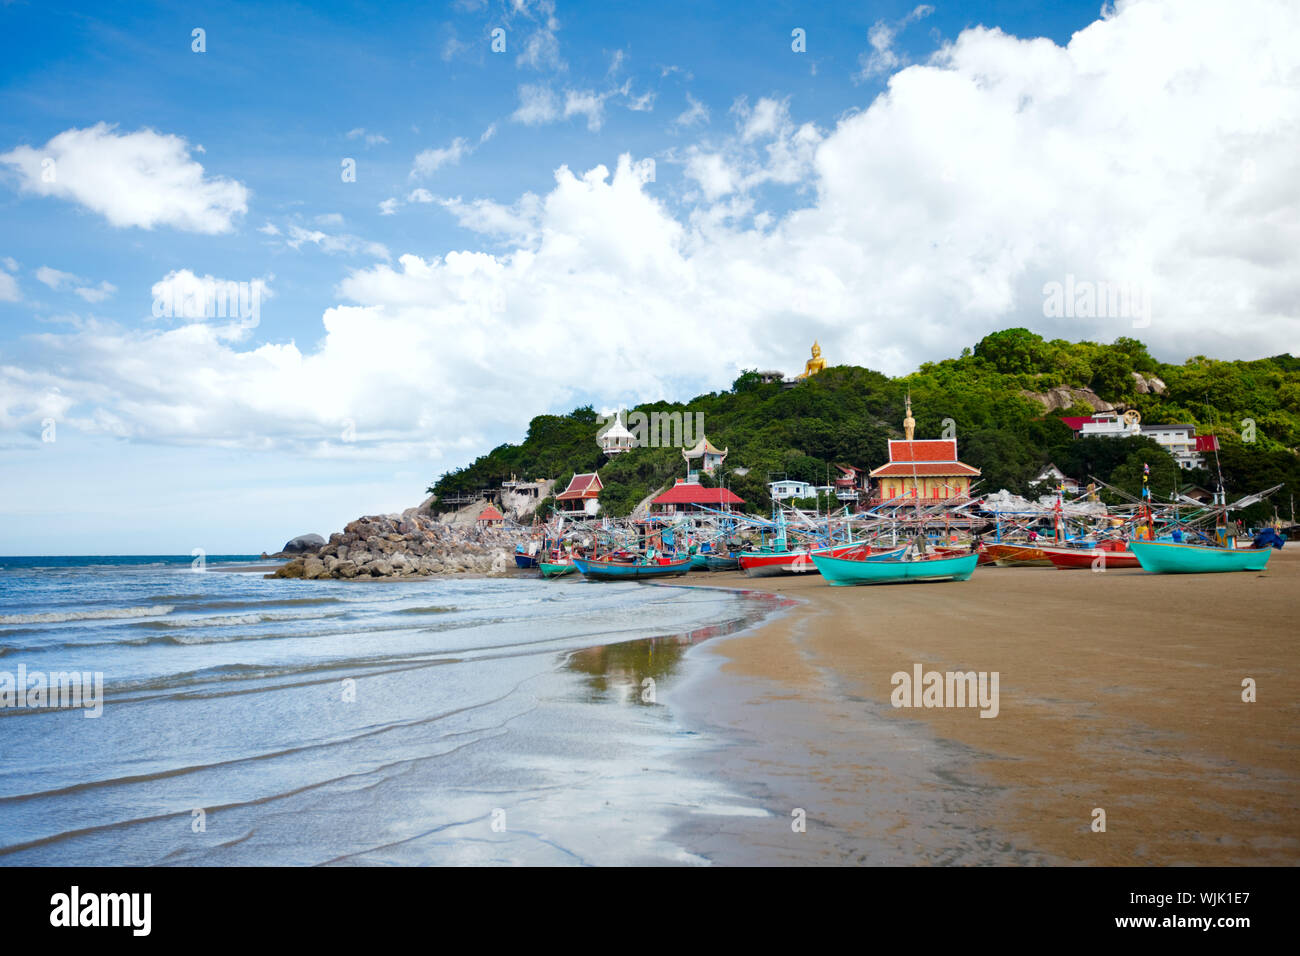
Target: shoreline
(1119, 691)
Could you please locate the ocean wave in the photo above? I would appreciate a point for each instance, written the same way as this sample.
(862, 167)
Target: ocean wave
(236, 620)
(434, 609)
(101, 614)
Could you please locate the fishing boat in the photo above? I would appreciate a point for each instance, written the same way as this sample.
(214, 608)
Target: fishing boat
(556, 570)
(523, 559)
(1018, 556)
(1111, 554)
(1167, 557)
(765, 563)
(893, 569)
(699, 561)
(722, 562)
(601, 570)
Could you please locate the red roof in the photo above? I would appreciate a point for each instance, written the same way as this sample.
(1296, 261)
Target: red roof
(581, 486)
(1207, 443)
(936, 449)
(490, 514)
(689, 493)
(1078, 421)
(936, 469)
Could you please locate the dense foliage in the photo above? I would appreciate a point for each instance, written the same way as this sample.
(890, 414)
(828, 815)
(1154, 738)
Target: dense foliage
(846, 414)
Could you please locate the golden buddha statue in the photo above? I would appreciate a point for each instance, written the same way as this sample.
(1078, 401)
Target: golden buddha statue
(909, 423)
(814, 364)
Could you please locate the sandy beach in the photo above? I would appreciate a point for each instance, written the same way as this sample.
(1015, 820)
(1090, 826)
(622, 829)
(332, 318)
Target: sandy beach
(1119, 690)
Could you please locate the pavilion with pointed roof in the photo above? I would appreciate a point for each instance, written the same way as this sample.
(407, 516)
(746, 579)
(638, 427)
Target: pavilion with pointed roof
(616, 439)
(709, 456)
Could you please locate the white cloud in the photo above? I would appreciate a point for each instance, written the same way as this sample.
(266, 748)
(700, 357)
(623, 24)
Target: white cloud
(538, 104)
(9, 291)
(335, 243)
(53, 277)
(389, 206)
(10, 263)
(183, 297)
(97, 293)
(585, 103)
(883, 58)
(541, 48)
(371, 139)
(420, 195)
(431, 160)
(142, 179)
(932, 216)
(269, 229)
(695, 114)
(91, 293)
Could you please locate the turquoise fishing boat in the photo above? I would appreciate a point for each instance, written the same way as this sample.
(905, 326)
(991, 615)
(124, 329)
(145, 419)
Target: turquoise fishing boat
(1161, 557)
(892, 569)
(620, 571)
(550, 570)
(699, 561)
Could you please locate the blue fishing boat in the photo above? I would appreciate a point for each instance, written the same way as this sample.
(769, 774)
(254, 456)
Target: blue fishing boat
(1162, 557)
(523, 559)
(722, 562)
(893, 569)
(627, 571)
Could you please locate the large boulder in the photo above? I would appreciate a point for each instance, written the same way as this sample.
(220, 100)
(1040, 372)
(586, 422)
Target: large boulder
(304, 542)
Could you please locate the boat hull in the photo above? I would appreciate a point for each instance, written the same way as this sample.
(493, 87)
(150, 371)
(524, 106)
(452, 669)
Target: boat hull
(555, 570)
(525, 560)
(717, 562)
(610, 571)
(1018, 556)
(840, 572)
(1094, 558)
(762, 564)
(1160, 557)
(699, 562)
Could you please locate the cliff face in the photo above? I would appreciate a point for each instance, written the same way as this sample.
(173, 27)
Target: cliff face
(409, 544)
(1058, 398)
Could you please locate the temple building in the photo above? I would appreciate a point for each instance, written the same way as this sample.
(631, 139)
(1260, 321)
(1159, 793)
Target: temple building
(616, 439)
(582, 497)
(490, 517)
(709, 457)
(923, 471)
(687, 496)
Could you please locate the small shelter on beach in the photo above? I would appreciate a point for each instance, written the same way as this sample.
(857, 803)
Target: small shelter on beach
(490, 517)
(582, 496)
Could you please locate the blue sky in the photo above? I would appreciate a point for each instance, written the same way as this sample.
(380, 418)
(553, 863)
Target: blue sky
(903, 186)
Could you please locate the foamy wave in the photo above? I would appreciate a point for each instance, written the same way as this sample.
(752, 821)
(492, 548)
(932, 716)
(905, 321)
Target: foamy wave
(58, 617)
(238, 620)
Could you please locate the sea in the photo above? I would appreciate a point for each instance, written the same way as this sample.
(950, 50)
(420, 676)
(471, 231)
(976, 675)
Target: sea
(229, 719)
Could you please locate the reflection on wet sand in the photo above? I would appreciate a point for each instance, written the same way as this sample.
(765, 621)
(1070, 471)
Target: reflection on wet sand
(620, 671)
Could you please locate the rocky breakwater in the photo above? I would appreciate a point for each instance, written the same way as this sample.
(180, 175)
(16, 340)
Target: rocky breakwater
(409, 544)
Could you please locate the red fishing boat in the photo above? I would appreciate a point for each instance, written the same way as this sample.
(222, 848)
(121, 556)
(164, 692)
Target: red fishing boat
(1107, 555)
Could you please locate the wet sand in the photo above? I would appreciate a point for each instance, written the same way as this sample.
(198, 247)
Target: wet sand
(1119, 690)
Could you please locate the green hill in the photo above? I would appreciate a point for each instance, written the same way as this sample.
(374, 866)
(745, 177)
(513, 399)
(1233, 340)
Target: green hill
(846, 414)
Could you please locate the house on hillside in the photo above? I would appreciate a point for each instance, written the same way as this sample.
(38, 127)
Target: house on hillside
(1181, 441)
(582, 497)
(709, 457)
(787, 488)
(1054, 478)
(851, 484)
(616, 439)
(686, 497)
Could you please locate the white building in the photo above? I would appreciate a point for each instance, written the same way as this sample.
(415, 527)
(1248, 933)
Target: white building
(616, 439)
(1181, 440)
(780, 490)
